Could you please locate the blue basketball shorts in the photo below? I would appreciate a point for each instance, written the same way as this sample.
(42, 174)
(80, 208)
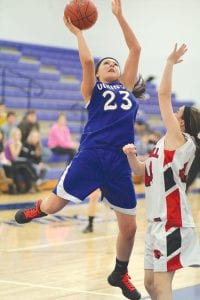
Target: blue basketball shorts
(107, 170)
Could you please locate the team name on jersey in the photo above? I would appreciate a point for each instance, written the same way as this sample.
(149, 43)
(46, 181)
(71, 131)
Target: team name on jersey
(102, 86)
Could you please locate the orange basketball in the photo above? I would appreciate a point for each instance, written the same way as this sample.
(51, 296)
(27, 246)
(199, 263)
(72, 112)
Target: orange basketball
(82, 13)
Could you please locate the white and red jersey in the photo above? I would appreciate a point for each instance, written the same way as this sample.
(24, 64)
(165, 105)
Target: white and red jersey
(165, 184)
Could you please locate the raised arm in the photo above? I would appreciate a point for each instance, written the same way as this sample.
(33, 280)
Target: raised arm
(86, 59)
(174, 137)
(130, 71)
(137, 166)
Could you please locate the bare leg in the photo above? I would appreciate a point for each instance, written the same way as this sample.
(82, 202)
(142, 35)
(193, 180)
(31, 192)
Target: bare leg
(92, 208)
(126, 236)
(119, 277)
(163, 285)
(93, 200)
(149, 283)
(52, 204)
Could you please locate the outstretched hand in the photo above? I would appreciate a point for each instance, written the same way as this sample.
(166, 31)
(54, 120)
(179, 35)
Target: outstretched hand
(117, 7)
(75, 30)
(177, 53)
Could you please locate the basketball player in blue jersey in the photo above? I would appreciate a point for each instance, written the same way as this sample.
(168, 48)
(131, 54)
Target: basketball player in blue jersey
(100, 162)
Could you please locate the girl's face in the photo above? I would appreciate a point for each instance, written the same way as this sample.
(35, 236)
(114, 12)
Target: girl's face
(62, 120)
(32, 118)
(108, 71)
(34, 138)
(11, 119)
(16, 135)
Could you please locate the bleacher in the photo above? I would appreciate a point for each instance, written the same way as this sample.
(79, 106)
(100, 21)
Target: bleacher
(47, 79)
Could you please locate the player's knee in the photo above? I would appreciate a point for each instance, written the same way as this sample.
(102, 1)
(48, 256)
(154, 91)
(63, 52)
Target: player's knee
(129, 232)
(149, 285)
(159, 289)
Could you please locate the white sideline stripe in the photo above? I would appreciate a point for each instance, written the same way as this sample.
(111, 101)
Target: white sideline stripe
(56, 288)
(60, 244)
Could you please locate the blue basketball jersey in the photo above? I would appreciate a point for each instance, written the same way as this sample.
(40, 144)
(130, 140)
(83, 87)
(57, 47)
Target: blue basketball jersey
(111, 115)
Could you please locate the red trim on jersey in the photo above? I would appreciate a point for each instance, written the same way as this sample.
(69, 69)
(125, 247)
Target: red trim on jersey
(168, 156)
(174, 263)
(173, 203)
(182, 174)
(148, 177)
(154, 153)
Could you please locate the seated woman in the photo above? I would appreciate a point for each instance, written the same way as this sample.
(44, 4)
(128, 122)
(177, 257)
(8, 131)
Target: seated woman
(32, 151)
(24, 174)
(60, 139)
(6, 171)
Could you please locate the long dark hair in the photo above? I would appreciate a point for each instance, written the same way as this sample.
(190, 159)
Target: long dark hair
(191, 117)
(139, 87)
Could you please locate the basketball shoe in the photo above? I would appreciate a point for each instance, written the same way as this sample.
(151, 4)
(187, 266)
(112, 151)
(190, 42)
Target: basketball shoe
(123, 281)
(88, 229)
(26, 215)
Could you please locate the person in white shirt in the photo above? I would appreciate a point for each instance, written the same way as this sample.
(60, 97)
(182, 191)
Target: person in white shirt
(171, 240)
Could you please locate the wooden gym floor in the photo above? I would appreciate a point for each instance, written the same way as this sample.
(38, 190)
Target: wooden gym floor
(51, 258)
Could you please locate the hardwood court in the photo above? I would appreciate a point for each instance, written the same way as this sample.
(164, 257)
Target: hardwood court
(53, 259)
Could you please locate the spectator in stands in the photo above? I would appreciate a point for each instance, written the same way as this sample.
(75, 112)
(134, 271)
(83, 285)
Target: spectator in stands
(60, 140)
(147, 141)
(6, 171)
(2, 114)
(28, 123)
(24, 174)
(13, 145)
(140, 126)
(9, 124)
(4, 180)
(32, 151)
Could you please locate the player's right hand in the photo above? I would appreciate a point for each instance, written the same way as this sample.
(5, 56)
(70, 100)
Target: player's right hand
(75, 30)
(129, 149)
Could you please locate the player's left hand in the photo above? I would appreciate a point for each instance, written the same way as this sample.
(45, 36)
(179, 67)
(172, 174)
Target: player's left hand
(117, 7)
(177, 53)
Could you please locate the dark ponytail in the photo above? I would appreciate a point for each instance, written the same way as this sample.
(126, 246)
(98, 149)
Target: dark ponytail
(139, 87)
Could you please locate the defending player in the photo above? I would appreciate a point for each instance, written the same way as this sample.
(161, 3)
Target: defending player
(171, 241)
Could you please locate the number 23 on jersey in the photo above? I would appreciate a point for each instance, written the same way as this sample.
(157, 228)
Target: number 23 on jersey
(111, 104)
